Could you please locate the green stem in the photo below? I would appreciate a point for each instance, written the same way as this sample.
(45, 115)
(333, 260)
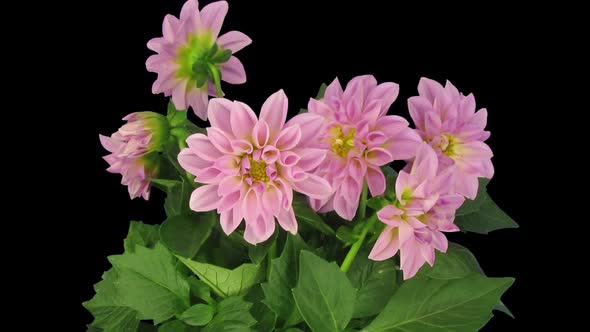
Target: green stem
(354, 250)
(181, 134)
(362, 212)
(216, 75)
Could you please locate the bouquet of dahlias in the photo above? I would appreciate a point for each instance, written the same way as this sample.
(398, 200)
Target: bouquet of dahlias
(297, 224)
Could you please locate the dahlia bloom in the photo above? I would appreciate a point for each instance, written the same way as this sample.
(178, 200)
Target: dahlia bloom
(359, 138)
(423, 209)
(192, 59)
(250, 166)
(134, 150)
(447, 120)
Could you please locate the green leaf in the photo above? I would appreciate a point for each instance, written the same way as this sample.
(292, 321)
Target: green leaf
(109, 308)
(141, 234)
(324, 295)
(375, 283)
(488, 218)
(222, 56)
(303, 212)
(198, 315)
(258, 252)
(177, 199)
(174, 326)
(165, 184)
(471, 206)
(225, 282)
(390, 178)
(282, 278)
(199, 289)
(233, 314)
(293, 329)
(459, 305)
(346, 235)
(457, 262)
(265, 318)
(377, 203)
(185, 234)
(150, 283)
(321, 91)
(145, 327)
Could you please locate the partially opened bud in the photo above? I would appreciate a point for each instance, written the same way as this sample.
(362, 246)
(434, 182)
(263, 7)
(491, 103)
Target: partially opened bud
(135, 150)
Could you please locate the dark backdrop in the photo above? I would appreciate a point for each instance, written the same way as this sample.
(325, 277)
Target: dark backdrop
(297, 46)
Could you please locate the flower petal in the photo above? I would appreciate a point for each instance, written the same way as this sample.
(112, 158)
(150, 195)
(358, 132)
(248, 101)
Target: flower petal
(218, 138)
(288, 138)
(204, 198)
(202, 147)
(386, 246)
(429, 89)
(287, 220)
(274, 113)
(220, 114)
(375, 180)
(242, 120)
(233, 71)
(379, 156)
(213, 15)
(260, 134)
(310, 125)
(234, 41)
(314, 187)
(228, 221)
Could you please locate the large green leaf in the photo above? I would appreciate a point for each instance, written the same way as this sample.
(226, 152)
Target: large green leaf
(458, 305)
(265, 318)
(324, 295)
(177, 199)
(457, 262)
(223, 281)
(375, 283)
(110, 311)
(471, 206)
(282, 278)
(150, 283)
(304, 213)
(488, 218)
(141, 234)
(200, 290)
(233, 314)
(258, 252)
(176, 326)
(185, 234)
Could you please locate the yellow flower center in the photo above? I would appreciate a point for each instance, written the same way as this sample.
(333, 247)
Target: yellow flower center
(448, 144)
(258, 170)
(342, 143)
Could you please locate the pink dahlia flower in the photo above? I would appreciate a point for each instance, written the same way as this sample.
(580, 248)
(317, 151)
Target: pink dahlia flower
(250, 166)
(134, 151)
(423, 209)
(192, 59)
(447, 120)
(359, 138)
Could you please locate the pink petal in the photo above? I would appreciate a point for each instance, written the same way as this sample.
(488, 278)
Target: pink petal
(386, 93)
(219, 115)
(228, 202)
(390, 215)
(288, 138)
(108, 143)
(287, 220)
(426, 163)
(272, 200)
(429, 89)
(386, 246)
(333, 91)
(229, 221)
(274, 112)
(357, 168)
(218, 138)
(320, 108)
(351, 190)
(241, 147)
(242, 120)
(404, 144)
(287, 193)
(202, 147)
(260, 230)
(250, 206)
(233, 71)
(211, 175)
(260, 134)
(213, 15)
(314, 187)
(270, 154)
(169, 27)
(467, 185)
(375, 180)
(419, 107)
(198, 101)
(310, 125)
(411, 259)
(310, 158)
(234, 41)
(467, 108)
(378, 156)
(229, 164)
(204, 198)
(179, 96)
(190, 9)
(230, 184)
(343, 208)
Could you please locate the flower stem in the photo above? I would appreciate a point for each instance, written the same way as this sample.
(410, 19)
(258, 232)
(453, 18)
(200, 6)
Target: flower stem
(361, 215)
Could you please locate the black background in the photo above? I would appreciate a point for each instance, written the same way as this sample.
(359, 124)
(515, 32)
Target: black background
(297, 46)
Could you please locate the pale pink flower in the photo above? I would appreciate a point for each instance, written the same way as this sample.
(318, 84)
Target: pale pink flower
(359, 138)
(192, 59)
(447, 120)
(250, 166)
(423, 209)
(134, 151)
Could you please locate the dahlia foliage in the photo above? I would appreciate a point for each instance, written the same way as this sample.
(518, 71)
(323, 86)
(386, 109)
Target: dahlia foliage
(297, 223)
